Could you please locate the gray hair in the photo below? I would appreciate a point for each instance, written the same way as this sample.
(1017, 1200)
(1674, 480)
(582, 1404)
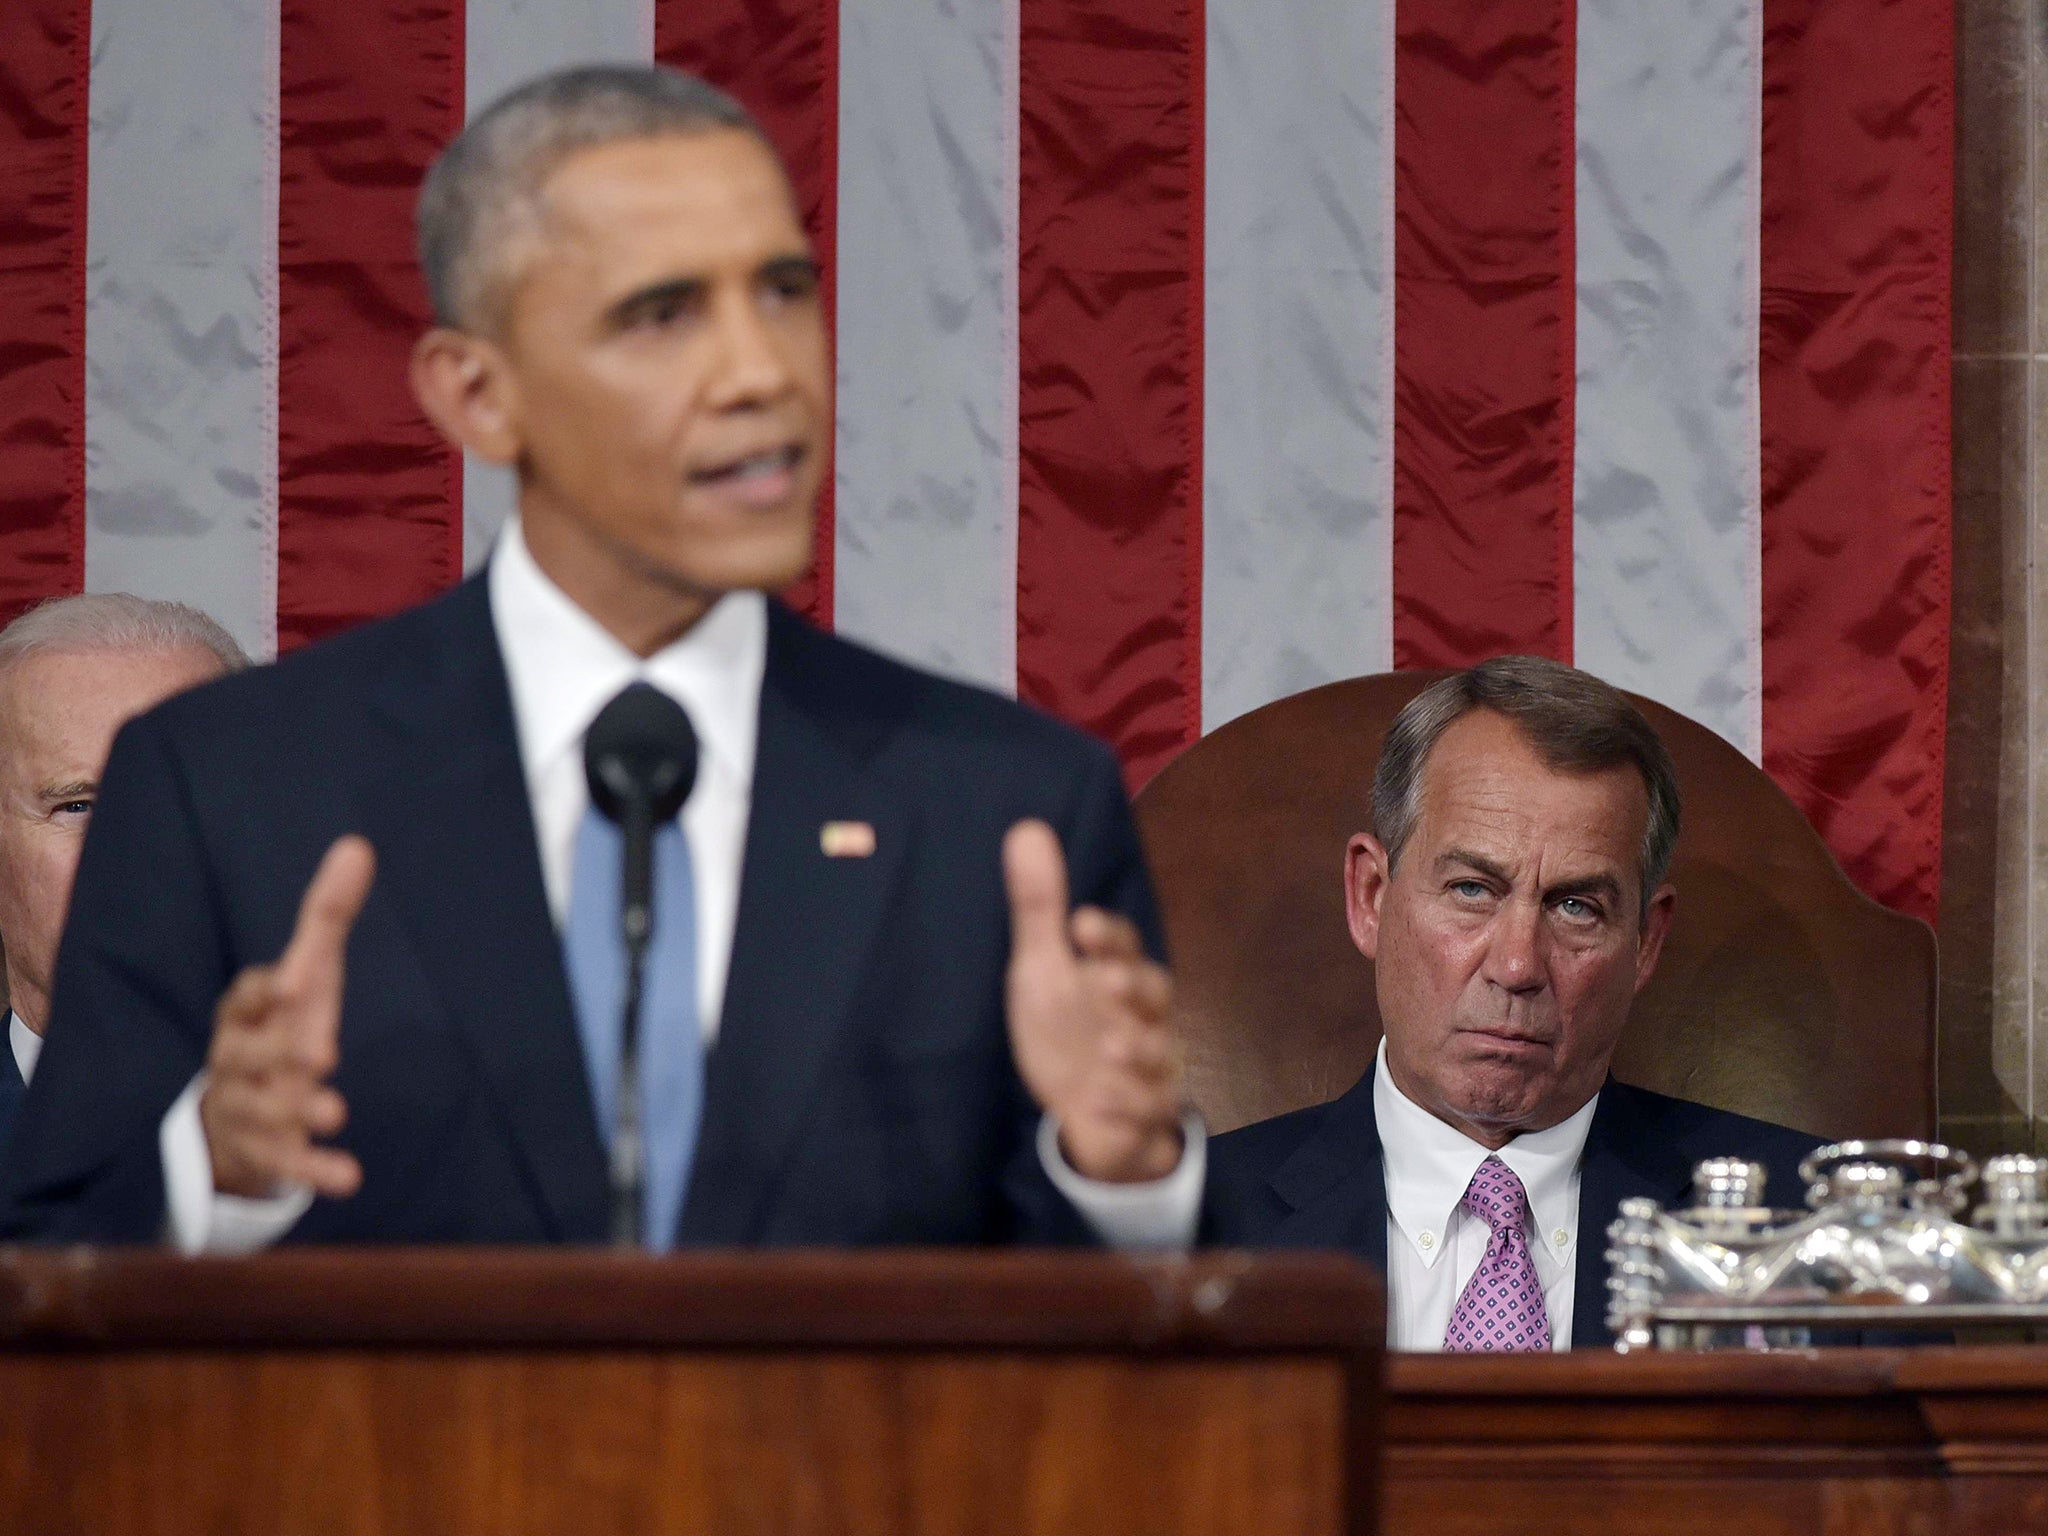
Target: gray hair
(1575, 722)
(484, 190)
(115, 621)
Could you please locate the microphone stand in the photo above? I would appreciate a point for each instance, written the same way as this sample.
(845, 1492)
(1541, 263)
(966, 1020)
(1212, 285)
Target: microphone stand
(629, 1143)
(640, 760)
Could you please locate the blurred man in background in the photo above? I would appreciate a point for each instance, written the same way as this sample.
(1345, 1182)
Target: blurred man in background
(72, 671)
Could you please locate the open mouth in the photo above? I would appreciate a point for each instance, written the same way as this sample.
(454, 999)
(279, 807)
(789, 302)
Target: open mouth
(754, 471)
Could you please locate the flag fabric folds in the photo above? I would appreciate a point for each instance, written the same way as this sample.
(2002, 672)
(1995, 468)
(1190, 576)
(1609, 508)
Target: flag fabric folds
(1188, 355)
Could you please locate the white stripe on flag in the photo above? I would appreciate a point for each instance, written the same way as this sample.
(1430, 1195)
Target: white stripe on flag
(1668, 510)
(926, 488)
(181, 309)
(1297, 482)
(507, 42)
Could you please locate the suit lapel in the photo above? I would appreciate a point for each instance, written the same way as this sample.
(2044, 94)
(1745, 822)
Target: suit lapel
(1624, 1159)
(11, 1086)
(805, 928)
(1335, 1183)
(453, 828)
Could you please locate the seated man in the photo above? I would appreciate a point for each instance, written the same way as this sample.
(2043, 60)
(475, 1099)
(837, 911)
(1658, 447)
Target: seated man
(869, 1016)
(1513, 903)
(71, 672)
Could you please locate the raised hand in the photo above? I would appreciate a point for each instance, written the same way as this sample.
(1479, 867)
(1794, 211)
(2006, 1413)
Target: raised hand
(1088, 1021)
(276, 1040)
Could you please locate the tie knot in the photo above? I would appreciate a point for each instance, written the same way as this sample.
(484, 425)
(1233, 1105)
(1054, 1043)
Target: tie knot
(1496, 1196)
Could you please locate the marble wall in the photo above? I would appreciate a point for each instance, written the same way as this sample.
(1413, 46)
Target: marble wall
(1993, 1036)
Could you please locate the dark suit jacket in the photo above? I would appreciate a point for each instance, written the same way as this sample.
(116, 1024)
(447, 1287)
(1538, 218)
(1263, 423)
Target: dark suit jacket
(1316, 1178)
(11, 1088)
(861, 1089)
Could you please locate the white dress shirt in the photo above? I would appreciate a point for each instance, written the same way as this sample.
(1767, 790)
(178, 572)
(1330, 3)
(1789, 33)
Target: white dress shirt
(563, 667)
(1434, 1247)
(26, 1044)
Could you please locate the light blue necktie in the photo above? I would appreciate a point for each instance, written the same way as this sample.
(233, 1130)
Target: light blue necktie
(671, 1038)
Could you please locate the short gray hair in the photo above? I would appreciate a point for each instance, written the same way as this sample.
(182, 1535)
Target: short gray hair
(1575, 722)
(487, 184)
(115, 621)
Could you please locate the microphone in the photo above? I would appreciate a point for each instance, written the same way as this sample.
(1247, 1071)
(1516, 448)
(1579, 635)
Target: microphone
(640, 758)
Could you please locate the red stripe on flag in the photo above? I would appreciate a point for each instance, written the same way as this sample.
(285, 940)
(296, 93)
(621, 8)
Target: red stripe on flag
(1858, 181)
(44, 64)
(369, 497)
(1110, 366)
(1484, 107)
(781, 58)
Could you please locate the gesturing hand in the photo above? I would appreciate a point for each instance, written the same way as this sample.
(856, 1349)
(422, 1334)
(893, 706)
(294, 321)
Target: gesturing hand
(1088, 1021)
(276, 1040)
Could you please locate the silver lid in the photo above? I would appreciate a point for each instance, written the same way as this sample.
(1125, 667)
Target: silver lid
(1865, 1181)
(2017, 1178)
(1728, 1183)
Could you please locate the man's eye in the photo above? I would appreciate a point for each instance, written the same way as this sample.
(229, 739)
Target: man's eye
(1469, 890)
(1578, 909)
(661, 311)
(75, 808)
(792, 287)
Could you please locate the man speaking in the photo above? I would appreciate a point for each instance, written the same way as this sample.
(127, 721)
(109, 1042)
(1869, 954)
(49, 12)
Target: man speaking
(345, 960)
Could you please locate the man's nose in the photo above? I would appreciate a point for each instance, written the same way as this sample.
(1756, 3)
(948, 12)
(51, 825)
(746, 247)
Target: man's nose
(1514, 951)
(751, 366)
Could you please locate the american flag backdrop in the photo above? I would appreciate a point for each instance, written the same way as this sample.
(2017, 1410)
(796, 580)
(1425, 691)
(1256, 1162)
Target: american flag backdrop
(1188, 355)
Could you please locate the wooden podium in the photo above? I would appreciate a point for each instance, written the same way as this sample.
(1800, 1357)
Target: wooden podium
(436, 1392)
(1841, 1442)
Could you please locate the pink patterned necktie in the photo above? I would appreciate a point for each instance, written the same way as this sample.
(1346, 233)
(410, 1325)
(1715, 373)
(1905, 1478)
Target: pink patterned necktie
(1501, 1308)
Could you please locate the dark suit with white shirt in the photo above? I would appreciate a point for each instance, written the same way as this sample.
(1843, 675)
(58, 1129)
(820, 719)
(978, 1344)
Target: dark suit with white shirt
(1316, 1178)
(861, 1088)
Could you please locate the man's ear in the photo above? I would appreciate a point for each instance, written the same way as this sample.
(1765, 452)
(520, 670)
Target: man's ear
(1367, 873)
(1656, 924)
(465, 385)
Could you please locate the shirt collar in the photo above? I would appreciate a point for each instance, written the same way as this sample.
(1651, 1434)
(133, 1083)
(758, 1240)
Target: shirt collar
(26, 1045)
(563, 666)
(1429, 1164)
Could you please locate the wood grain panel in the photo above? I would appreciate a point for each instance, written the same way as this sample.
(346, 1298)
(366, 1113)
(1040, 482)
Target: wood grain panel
(1920, 1442)
(313, 1441)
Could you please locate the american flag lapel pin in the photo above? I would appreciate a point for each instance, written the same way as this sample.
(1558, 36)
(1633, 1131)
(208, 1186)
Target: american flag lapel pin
(846, 839)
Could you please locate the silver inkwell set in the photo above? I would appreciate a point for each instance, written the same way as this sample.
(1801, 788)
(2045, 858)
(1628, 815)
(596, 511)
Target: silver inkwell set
(1882, 1246)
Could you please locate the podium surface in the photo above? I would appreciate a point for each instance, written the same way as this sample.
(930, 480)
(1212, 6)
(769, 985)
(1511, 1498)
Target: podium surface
(588, 1393)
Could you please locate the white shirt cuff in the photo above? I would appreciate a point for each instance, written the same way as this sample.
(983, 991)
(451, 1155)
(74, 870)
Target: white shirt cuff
(201, 1219)
(1161, 1214)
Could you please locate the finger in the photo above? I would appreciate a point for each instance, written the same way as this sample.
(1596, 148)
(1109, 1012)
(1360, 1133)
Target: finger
(277, 1044)
(328, 910)
(1101, 935)
(1035, 876)
(1141, 990)
(1152, 991)
(265, 1134)
(1148, 1056)
(275, 1106)
(248, 1002)
(1127, 1105)
(260, 1051)
(238, 1107)
(323, 1111)
(310, 970)
(326, 1171)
